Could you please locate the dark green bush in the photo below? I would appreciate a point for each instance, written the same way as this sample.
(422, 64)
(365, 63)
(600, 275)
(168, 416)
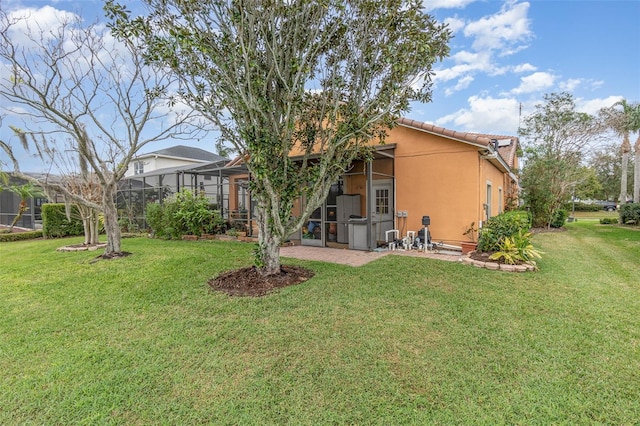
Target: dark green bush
(630, 214)
(608, 220)
(184, 214)
(583, 207)
(18, 236)
(55, 223)
(498, 227)
(559, 218)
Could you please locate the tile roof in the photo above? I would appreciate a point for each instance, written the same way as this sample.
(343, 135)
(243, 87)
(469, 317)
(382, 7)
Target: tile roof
(507, 152)
(182, 151)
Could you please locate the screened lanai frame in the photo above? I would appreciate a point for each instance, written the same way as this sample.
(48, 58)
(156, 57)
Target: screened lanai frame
(210, 179)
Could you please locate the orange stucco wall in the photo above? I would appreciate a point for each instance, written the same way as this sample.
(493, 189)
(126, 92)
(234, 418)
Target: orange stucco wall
(443, 179)
(436, 177)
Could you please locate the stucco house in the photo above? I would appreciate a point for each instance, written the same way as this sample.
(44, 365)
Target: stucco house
(170, 158)
(454, 178)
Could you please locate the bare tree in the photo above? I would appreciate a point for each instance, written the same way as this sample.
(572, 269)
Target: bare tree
(78, 89)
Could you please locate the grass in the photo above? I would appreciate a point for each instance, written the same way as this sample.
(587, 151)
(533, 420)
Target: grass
(141, 340)
(595, 215)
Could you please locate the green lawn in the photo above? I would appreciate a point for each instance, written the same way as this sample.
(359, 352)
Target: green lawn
(403, 340)
(595, 215)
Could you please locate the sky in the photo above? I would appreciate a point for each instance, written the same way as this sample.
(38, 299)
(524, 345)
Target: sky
(505, 56)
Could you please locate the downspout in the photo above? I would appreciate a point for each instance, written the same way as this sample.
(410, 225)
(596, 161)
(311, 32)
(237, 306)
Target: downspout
(480, 189)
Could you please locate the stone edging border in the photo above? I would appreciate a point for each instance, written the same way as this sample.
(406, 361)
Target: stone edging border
(82, 247)
(527, 267)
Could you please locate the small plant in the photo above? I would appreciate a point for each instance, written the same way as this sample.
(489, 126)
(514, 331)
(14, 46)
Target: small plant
(501, 226)
(184, 213)
(258, 259)
(608, 220)
(471, 231)
(630, 214)
(516, 249)
(559, 218)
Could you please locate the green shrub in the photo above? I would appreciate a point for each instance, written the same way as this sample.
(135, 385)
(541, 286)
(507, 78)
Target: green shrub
(497, 228)
(516, 249)
(55, 223)
(18, 236)
(608, 220)
(184, 213)
(559, 218)
(630, 214)
(583, 207)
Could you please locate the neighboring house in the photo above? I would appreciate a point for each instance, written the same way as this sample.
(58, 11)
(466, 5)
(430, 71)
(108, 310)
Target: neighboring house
(173, 157)
(455, 178)
(153, 176)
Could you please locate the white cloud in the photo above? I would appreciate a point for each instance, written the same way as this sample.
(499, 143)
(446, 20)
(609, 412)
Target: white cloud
(446, 4)
(43, 21)
(592, 106)
(463, 83)
(503, 31)
(570, 85)
(455, 24)
(524, 68)
(538, 81)
(485, 115)
(467, 63)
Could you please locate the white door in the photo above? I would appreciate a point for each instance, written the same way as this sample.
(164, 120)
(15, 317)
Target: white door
(382, 207)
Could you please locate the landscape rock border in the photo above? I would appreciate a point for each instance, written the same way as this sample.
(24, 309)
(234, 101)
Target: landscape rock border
(82, 247)
(495, 266)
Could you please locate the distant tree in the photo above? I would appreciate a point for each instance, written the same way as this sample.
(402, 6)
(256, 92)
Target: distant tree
(555, 139)
(316, 78)
(624, 119)
(78, 90)
(588, 185)
(606, 164)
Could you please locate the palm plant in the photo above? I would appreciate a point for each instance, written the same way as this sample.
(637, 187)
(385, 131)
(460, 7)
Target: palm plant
(624, 122)
(26, 191)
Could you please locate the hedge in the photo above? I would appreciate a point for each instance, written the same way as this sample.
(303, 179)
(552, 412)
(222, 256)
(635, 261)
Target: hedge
(630, 214)
(18, 236)
(55, 223)
(583, 207)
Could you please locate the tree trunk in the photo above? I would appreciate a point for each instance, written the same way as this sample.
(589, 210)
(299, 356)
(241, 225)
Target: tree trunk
(626, 149)
(95, 227)
(111, 226)
(23, 208)
(86, 227)
(636, 172)
(268, 256)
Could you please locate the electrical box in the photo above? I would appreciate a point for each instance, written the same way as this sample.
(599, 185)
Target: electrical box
(404, 213)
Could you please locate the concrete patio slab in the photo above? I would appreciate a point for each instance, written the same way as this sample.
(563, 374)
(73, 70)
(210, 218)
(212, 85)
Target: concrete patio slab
(355, 257)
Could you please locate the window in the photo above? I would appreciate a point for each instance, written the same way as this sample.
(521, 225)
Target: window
(138, 168)
(207, 177)
(500, 200)
(382, 201)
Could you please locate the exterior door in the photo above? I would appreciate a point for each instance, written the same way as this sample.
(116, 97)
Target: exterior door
(382, 208)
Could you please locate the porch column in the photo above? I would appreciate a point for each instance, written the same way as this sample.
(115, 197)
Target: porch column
(371, 243)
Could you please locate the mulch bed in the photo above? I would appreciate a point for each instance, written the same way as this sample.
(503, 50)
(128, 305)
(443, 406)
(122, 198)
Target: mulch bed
(249, 282)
